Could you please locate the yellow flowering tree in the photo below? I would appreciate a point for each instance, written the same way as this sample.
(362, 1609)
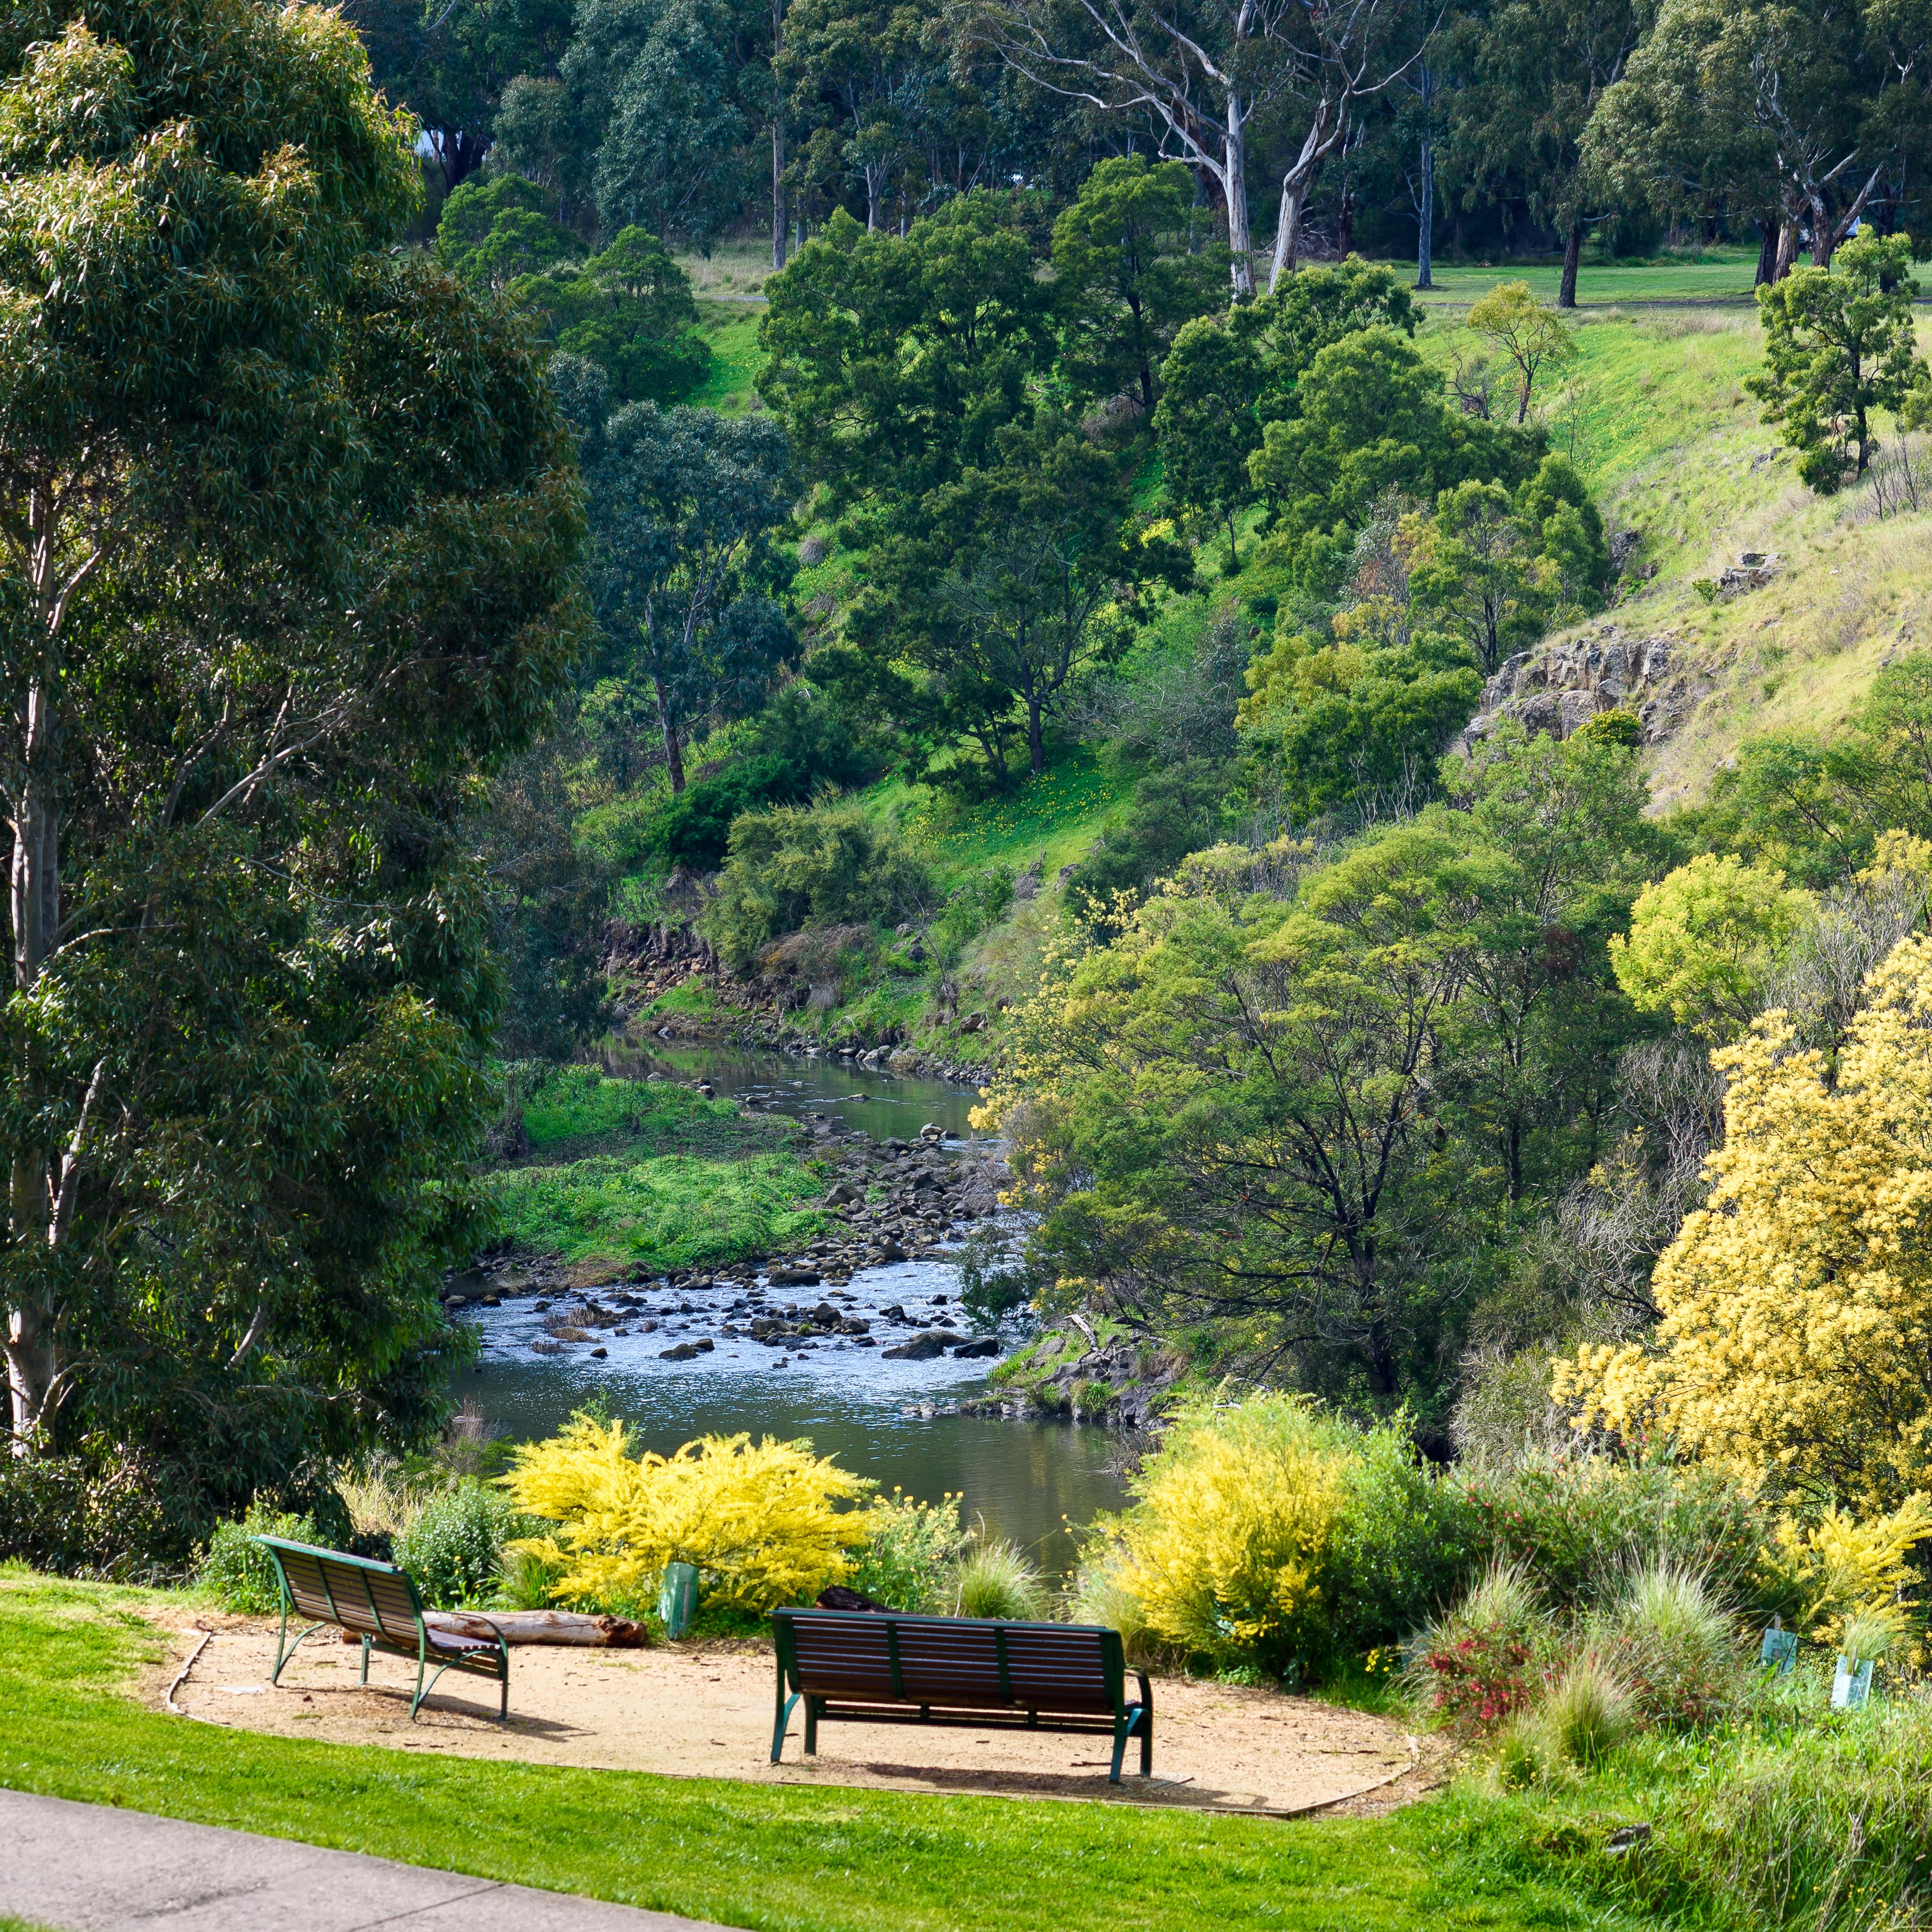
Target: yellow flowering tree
(1796, 1338)
(762, 1523)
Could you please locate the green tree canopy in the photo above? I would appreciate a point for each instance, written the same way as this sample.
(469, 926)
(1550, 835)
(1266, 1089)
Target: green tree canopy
(893, 363)
(1127, 275)
(287, 527)
(1840, 342)
(685, 505)
(1001, 588)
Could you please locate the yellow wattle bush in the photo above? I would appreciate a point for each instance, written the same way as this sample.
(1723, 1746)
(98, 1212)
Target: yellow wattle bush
(1841, 1568)
(1224, 1545)
(762, 1524)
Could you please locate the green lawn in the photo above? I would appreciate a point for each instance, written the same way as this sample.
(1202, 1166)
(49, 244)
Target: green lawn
(731, 329)
(1715, 275)
(804, 1860)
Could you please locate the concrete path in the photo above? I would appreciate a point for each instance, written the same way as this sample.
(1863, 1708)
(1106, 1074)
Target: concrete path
(89, 1868)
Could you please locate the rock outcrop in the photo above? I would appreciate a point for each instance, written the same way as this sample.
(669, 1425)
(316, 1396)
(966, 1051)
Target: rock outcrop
(1558, 686)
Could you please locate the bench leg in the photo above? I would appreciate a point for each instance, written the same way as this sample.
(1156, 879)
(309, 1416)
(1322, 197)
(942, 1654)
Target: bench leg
(786, 1706)
(813, 1705)
(284, 1651)
(1139, 1717)
(365, 1659)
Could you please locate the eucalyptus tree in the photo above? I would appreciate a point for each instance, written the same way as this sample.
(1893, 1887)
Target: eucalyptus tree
(1201, 73)
(685, 505)
(1752, 109)
(1539, 67)
(287, 529)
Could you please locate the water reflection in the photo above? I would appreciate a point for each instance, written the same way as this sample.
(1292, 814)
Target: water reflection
(883, 1105)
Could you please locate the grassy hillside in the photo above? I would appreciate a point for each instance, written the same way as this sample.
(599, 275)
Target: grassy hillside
(1655, 413)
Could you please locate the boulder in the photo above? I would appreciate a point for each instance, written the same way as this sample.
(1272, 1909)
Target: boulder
(971, 1351)
(684, 1351)
(920, 1348)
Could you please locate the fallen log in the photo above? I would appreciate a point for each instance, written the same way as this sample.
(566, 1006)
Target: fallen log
(568, 1626)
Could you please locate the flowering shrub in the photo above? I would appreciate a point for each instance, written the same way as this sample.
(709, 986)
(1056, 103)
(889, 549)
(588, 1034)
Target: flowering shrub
(1225, 1546)
(1477, 1679)
(761, 1523)
(908, 1557)
(1476, 1668)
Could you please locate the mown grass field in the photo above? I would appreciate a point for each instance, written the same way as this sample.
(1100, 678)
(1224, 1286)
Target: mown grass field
(1711, 275)
(648, 1172)
(791, 1859)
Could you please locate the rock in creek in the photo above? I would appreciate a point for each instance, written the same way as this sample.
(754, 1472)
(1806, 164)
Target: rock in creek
(968, 1351)
(920, 1348)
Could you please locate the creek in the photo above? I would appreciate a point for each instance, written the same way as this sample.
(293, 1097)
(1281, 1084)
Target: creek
(1025, 1480)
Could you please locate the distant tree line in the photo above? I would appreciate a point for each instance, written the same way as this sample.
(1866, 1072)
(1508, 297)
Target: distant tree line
(1382, 125)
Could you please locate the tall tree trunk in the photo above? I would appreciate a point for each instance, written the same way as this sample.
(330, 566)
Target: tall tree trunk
(673, 751)
(1573, 254)
(1036, 738)
(1296, 185)
(777, 152)
(1234, 186)
(1787, 248)
(1425, 226)
(1767, 254)
(32, 1357)
(1345, 223)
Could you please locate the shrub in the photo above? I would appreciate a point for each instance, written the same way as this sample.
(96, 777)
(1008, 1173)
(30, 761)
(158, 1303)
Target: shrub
(823, 865)
(239, 1571)
(103, 1511)
(761, 1524)
(1577, 1525)
(981, 902)
(907, 1559)
(1226, 1545)
(1475, 1668)
(453, 1545)
(998, 1579)
(1408, 1539)
(1826, 1573)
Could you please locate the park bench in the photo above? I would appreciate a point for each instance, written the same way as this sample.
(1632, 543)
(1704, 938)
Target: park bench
(874, 1667)
(378, 1602)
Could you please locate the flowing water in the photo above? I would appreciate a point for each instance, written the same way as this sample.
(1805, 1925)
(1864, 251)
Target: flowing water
(1024, 1480)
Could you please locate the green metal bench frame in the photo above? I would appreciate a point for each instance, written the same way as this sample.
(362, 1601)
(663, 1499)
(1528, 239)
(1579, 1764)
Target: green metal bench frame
(887, 1703)
(345, 1593)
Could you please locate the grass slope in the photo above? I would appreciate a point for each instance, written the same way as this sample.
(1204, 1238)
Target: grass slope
(649, 1173)
(1655, 414)
(793, 1859)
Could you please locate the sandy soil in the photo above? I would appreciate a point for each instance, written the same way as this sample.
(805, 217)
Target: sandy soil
(707, 1712)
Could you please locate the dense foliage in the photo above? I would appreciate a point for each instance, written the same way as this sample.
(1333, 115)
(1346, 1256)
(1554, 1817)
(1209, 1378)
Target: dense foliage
(287, 524)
